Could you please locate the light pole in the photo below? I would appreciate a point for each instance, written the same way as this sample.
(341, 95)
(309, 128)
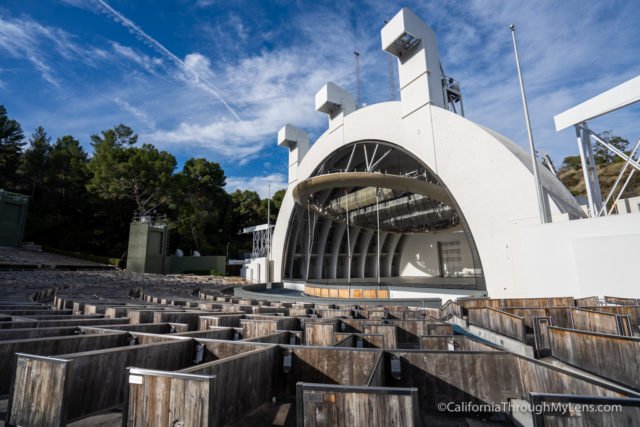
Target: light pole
(227, 259)
(543, 212)
(378, 234)
(268, 264)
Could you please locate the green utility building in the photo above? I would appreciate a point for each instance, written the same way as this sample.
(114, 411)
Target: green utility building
(148, 237)
(147, 246)
(13, 217)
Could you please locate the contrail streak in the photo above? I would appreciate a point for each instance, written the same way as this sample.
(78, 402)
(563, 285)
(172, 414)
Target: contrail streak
(203, 83)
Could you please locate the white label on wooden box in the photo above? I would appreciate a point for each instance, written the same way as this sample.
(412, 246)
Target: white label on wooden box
(135, 379)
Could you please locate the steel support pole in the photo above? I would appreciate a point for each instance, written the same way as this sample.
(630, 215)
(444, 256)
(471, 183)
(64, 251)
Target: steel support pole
(624, 187)
(615, 184)
(268, 269)
(378, 233)
(593, 168)
(346, 199)
(353, 151)
(591, 183)
(585, 170)
(620, 154)
(541, 204)
(309, 242)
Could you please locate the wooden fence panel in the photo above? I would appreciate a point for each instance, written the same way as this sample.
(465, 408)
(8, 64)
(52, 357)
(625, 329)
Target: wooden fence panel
(486, 377)
(528, 314)
(542, 340)
(322, 405)
(560, 316)
(29, 333)
(62, 323)
(221, 349)
(516, 302)
(632, 311)
(442, 329)
(624, 326)
(621, 301)
(334, 313)
(319, 333)
(190, 318)
(453, 343)
(587, 301)
(563, 411)
(37, 396)
(243, 383)
(53, 347)
(389, 333)
(97, 378)
(609, 356)
(538, 302)
(594, 321)
(329, 365)
(149, 328)
(257, 328)
(362, 340)
(267, 325)
(378, 374)
(410, 331)
(160, 398)
(498, 321)
(278, 337)
(451, 308)
(454, 376)
(213, 333)
(478, 302)
(229, 320)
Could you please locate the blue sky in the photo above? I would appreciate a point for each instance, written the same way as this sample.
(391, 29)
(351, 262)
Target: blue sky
(217, 79)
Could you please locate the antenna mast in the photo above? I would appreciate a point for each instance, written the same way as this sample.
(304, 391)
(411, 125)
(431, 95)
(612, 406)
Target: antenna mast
(392, 86)
(356, 54)
(534, 158)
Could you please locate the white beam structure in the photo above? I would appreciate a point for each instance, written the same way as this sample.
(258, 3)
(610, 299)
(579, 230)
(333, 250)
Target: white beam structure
(614, 99)
(261, 235)
(618, 97)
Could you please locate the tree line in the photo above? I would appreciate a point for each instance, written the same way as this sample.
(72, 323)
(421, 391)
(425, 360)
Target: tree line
(601, 154)
(85, 202)
(608, 166)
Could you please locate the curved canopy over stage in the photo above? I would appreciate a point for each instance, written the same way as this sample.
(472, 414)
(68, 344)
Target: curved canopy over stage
(364, 211)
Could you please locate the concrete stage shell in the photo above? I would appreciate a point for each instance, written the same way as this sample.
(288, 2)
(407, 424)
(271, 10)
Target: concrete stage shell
(486, 175)
(482, 177)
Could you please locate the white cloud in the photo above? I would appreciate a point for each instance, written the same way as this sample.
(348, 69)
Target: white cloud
(26, 39)
(269, 88)
(204, 3)
(82, 4)
(202, 81)
(46, 47)
(240, 29)
(259, 184)
(136, 112)
(227, 138)
(563, 64)
(149, 63)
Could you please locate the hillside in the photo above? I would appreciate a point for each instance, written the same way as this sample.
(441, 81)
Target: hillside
(574, 180)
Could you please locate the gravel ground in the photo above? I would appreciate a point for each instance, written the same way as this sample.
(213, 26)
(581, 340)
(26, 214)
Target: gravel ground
(22, 256)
